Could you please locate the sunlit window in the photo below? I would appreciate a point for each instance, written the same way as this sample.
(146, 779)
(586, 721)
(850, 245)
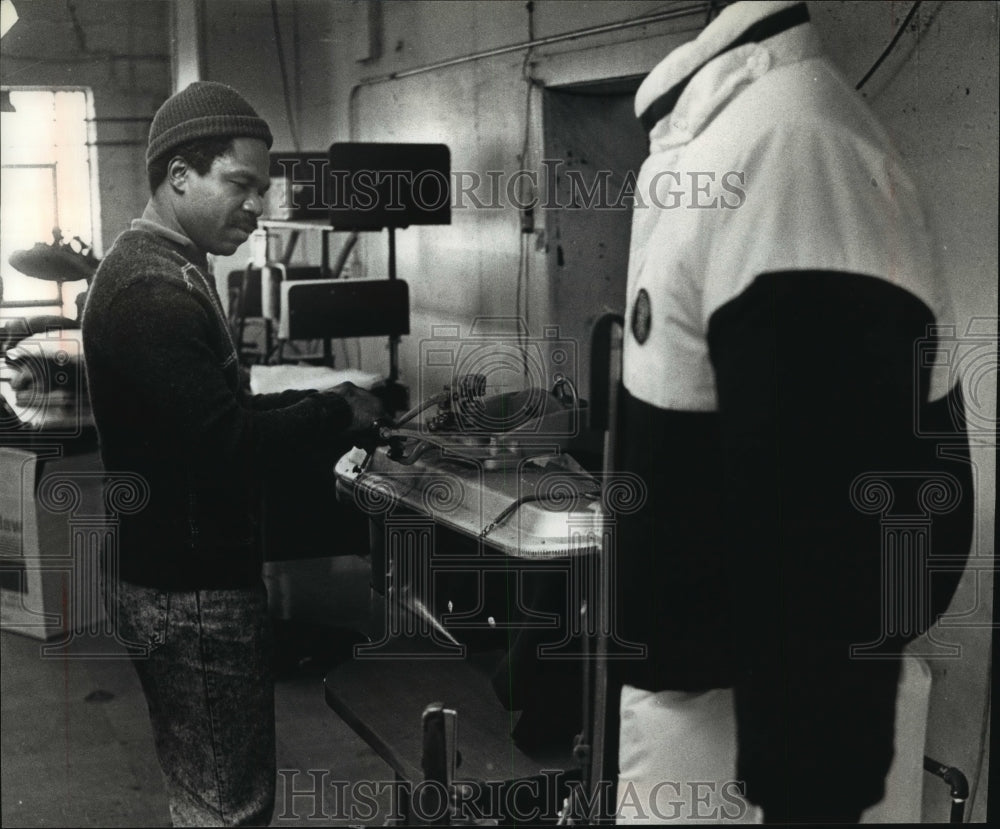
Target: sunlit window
(49, 185)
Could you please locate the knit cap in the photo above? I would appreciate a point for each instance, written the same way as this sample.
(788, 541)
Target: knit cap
(205, 109)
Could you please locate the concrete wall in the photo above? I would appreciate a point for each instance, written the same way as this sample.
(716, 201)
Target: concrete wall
(489, 114)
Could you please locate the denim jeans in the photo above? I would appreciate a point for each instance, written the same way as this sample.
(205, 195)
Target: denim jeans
(209, 687)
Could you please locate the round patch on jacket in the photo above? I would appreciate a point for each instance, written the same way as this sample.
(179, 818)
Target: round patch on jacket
(642, 317)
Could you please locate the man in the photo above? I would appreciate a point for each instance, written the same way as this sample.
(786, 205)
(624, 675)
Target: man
(781, 284)
(170, 405)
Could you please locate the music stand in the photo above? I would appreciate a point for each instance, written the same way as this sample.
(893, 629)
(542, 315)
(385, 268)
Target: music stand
(385, 185)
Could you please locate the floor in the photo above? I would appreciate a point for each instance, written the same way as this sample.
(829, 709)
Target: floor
(77, 749)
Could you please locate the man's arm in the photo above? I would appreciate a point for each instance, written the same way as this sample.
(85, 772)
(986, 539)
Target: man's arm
(161, 350)
(276, 400)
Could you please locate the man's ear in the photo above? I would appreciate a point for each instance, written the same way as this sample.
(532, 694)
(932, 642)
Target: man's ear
(178, 171)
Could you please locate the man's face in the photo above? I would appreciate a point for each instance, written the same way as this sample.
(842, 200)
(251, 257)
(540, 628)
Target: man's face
(219, 210)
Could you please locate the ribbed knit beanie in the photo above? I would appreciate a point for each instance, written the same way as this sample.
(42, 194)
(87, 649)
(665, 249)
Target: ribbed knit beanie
(205, 109)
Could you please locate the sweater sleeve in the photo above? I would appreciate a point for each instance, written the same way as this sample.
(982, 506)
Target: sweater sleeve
(160, 342)
(277, 400)
(269, 400)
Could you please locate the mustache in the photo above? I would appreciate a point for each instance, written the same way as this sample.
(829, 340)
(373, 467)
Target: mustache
(247, 223)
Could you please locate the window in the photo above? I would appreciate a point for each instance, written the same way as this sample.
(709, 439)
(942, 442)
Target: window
(48, 181)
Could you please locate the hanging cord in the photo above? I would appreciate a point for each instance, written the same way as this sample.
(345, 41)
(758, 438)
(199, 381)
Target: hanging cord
(284, 76)
(524, 250)
(891, 46)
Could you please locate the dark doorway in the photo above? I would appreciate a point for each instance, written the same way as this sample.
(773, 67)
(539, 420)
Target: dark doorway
(594, 147)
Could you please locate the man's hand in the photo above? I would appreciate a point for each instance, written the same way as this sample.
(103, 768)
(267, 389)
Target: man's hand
(366, 408)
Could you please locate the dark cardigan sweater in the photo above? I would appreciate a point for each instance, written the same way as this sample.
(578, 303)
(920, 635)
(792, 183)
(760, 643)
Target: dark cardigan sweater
(171, 405)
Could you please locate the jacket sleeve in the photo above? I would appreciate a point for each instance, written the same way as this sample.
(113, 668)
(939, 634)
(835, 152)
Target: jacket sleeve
(818, 293)
(818, 392)
(837, 556)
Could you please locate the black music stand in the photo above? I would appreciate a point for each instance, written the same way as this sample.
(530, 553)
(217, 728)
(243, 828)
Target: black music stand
(382, 185)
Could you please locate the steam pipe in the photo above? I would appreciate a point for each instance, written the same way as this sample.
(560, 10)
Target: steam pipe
(958, 783)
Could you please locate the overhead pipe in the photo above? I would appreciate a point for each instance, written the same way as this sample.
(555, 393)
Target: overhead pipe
(672, 14)
(707, 7)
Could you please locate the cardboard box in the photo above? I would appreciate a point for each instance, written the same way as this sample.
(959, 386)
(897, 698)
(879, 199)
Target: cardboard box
(53, 531)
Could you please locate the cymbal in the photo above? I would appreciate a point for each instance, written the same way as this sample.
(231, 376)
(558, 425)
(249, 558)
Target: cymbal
(56, 264)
